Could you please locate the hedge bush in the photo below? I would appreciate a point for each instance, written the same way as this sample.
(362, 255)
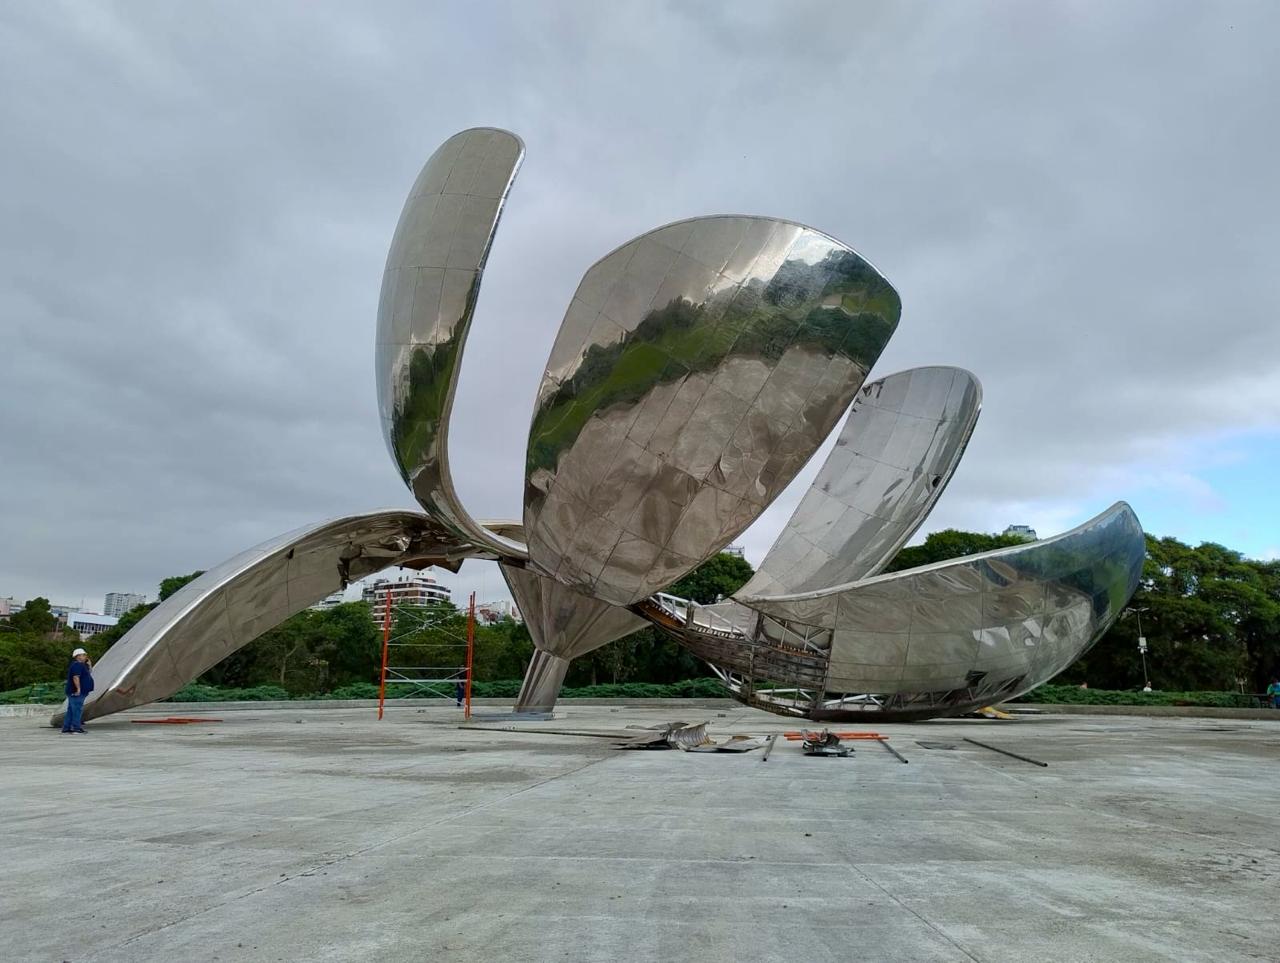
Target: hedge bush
(38, 693)
(213, 693)
(1074, 695)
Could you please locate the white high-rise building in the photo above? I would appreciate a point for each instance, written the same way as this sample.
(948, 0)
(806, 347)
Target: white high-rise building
(406, 590)
(118, 603)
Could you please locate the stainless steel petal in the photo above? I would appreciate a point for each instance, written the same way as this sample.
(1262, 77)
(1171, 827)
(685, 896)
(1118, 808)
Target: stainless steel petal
(429, 292)
(936, 640)
(231, 604)
(899, 446)
(698, 368)
(563, 622)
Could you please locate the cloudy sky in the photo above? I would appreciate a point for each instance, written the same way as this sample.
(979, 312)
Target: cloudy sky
(1077, 201)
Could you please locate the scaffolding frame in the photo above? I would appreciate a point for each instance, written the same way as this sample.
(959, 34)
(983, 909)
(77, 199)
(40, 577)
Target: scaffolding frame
(425, 678)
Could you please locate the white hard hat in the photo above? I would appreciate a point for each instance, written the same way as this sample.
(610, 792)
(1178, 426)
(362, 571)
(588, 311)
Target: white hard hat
(78, 652)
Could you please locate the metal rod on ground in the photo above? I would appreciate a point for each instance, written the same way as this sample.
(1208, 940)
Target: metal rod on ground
(1006, 752)
(884, 741)
(471, 646)
(616, 734)
(769, 748)
(386, 639)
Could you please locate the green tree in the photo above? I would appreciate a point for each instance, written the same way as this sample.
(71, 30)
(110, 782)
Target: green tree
(715, 579)
(35, 649)
(109, 636)
(502, 651)
(35, 618)
(948, 544)
(1210, 616)
(309, 652)
(348, 641)
(175, 582)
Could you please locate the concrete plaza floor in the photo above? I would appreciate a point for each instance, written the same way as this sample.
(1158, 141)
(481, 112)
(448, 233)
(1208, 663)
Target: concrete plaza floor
(323, 834)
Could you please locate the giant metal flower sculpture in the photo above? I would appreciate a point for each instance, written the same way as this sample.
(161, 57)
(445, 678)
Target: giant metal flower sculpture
(697, 369)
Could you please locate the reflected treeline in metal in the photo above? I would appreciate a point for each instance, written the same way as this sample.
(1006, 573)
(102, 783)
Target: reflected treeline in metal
(697, 369)
(429, 292)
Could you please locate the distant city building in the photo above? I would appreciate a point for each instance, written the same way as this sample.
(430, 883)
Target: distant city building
(406, 590)
(735, 550)
(489, 612)
(330, 601)
(63, 612)
(1024, 532)
(89, 624)
(9, 606)
(118, 603)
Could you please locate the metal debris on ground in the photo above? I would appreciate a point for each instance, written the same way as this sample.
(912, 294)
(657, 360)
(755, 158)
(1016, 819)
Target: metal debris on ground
(884, 741)
(801, 736)
(935, 745)
(547, 732)
(174, 721)
(769, 748)
(668, 736)
(1006, 752)
(732, 744)
(689, 738)
(824, 743)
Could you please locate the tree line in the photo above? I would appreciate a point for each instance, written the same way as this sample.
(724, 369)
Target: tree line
(1211, 618)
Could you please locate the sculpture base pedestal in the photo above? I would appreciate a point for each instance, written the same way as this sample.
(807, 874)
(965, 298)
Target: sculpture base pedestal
(542, 683)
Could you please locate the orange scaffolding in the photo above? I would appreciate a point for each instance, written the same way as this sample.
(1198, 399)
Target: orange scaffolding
(427, 679)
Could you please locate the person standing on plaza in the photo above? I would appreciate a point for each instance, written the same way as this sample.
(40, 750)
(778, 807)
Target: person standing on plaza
(1273, 691)
(79, 685)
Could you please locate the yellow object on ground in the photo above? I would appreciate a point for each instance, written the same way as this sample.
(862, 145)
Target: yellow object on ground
(991, 712)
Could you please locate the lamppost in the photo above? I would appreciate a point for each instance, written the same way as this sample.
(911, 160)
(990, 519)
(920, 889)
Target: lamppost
(1142, 650)
(1142, 647)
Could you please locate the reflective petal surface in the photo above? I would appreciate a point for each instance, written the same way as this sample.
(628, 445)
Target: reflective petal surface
(937, 640)
(898, 449)
(697, 369)
(233, 603)
(429, 292)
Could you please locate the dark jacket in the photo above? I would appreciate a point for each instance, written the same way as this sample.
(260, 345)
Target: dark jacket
(80, 669)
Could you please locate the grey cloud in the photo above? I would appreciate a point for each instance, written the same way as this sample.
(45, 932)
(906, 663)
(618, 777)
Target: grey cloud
(1075, 201)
